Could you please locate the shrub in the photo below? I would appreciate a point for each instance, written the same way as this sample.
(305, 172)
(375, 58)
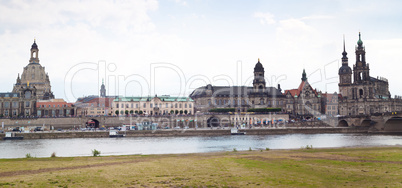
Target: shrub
(224, 110)
(28, 155)
(249, 149)
(264, 110)
(95, 153)
(267, 149)
(53, 154)
(234, 150)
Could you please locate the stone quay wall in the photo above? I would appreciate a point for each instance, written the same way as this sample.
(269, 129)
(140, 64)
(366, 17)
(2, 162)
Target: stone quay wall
(187, 132)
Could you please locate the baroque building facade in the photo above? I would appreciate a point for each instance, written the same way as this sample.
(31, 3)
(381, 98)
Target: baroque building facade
(34, 75)
(241, 98)
(303, 102)
(364, 95)
(158, 105)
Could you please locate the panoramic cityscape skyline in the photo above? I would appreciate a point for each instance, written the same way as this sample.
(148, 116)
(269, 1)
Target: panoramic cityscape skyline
(185, 40)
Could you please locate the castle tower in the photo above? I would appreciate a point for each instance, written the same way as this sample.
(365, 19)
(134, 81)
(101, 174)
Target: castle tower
(259, 81)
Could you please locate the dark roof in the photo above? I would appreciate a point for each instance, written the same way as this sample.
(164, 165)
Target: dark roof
(234, 91)
(345, 69)
(34, 45)
(258, 67)
(9, 95)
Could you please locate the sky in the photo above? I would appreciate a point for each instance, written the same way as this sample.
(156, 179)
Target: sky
(171, 47)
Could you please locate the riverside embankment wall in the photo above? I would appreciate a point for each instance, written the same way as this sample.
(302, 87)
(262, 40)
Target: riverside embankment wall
(168, 133)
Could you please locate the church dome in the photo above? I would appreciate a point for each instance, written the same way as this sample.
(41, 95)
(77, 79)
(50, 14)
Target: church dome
(360, 42)
(258, 67)
(345, 70)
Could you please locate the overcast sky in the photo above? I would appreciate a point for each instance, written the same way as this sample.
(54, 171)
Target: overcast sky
(172, 47)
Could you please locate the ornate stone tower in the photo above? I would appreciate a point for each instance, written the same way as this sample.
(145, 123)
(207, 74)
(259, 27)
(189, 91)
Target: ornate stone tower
(345, 74)
(361, 70)
(259, 81)
(34, 75)
(103, 90)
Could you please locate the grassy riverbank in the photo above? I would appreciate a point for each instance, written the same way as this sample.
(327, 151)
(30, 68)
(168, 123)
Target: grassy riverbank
(355, 167)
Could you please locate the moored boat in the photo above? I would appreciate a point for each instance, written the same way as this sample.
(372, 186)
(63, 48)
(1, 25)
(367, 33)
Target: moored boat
(12, 136)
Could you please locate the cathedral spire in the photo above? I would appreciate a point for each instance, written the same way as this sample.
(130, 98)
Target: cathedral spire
(344, 53)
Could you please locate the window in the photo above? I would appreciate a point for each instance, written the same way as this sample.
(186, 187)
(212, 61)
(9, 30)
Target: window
(180, 105)
(132, 105)
(15, 104)
(27, 104)
(117, 105)
(27, 94)
(175, 105)
(14, 112)
(150, 105)
(145, 105)
(189, 105)
(185, 105)
(6, 113)
(33, 76)
(167, 105)
(136, 105)
(127, 105)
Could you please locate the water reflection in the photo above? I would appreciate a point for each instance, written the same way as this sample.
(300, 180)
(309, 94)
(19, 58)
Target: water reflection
(166, 145)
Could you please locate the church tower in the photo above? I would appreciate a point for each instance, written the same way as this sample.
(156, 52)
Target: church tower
(345, 73)
(259, 81)
(34, 53)
(361, 70)
(103, 90)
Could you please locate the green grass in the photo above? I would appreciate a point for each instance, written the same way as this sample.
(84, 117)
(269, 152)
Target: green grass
(352, 167)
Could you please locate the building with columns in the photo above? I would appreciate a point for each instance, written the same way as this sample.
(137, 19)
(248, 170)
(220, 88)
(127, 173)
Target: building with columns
(363, 95)
(241, 98)
(158, 105)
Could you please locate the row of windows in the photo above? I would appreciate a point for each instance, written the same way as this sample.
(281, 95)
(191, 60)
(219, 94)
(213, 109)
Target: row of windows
(15, 113)
(221, 102)
(44, 106)
(156, 105)
(15, 104)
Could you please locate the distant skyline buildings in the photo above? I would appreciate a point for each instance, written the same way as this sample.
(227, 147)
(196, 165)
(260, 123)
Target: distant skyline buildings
(196, 42)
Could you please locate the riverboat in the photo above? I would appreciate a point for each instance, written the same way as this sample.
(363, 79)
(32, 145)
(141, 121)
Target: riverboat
(115, 134)
(12, 136)
(236, 132)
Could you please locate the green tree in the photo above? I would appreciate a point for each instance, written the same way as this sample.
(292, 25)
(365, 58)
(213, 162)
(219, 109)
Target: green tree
(126, 112)
(140, 112)
(181, 111)
(185, 111)
(131, 112)
(116, 112)
(171, 111)
(176, 111)
(136, 112)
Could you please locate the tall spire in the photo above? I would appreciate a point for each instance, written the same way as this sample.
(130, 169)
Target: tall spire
(360, 42)
(304, 76)
(344, 53)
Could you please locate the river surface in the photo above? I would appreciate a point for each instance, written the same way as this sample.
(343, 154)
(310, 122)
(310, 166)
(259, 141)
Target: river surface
(196, 144)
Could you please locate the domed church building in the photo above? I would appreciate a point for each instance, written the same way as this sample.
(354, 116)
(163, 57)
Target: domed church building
(34, 76)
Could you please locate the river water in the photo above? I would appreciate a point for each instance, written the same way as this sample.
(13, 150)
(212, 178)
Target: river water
(196, 144)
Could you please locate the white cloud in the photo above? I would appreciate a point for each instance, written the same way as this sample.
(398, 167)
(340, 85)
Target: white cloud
(265, 18)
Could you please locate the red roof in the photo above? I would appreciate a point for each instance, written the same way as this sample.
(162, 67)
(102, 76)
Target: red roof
(297, 91)
(61, 104)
